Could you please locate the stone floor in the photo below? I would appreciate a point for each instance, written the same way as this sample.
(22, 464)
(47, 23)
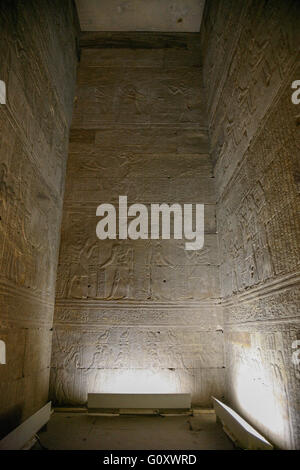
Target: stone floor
(76, 431)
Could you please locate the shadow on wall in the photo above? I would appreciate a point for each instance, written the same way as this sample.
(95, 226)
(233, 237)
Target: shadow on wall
(10, 419)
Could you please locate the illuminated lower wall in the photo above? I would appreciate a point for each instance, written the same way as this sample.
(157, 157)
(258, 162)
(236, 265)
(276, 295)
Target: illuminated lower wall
(171, 350)
(250, 59)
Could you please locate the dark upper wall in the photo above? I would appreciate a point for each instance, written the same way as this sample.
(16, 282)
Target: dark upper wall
(38, 64)
(250, 58)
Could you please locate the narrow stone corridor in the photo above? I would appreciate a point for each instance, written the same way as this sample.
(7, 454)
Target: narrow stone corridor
(149, 219)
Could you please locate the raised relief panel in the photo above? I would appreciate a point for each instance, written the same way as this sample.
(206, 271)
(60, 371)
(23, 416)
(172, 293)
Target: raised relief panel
(89, 160)
(253, 126)
(39, 73)
(156, 139)
(132, 95)
(128, 311)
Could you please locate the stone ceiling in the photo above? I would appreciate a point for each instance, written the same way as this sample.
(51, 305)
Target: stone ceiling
(140, 15)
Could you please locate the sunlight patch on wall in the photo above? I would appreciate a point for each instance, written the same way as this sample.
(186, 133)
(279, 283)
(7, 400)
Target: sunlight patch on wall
(263, 400)
(2, 352)
(136, 381)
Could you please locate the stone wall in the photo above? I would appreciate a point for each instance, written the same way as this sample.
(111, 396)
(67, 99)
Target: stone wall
(38, 64)
(137, 315)
(250, 50)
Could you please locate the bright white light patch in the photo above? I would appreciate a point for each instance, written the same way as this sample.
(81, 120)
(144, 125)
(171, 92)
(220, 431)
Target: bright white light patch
(259, 395)
(2, 92)
(242, 422)
(2, 352)
(136, 381)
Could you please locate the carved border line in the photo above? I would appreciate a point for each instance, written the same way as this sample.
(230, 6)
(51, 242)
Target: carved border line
(12, 290)
(268, 321)
(101, 326)
(285, 282)
(280, 284)
(196, 126)
(126, 304)
(6, 322)
(78, 205)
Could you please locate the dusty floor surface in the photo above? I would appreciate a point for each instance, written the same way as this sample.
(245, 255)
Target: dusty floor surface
(72, 431)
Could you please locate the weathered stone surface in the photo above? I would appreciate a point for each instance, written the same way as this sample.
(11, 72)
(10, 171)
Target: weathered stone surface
(137, 58)
(147, 269)
(137, 313)
(250, 59)
(89, 160)
(133, 95)
(137, 348)
(70, 385)
(79, 216)
(172, 138)
(204, 315)
(140, 189)
(249, 52)
(38, 63)
(139, 40)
